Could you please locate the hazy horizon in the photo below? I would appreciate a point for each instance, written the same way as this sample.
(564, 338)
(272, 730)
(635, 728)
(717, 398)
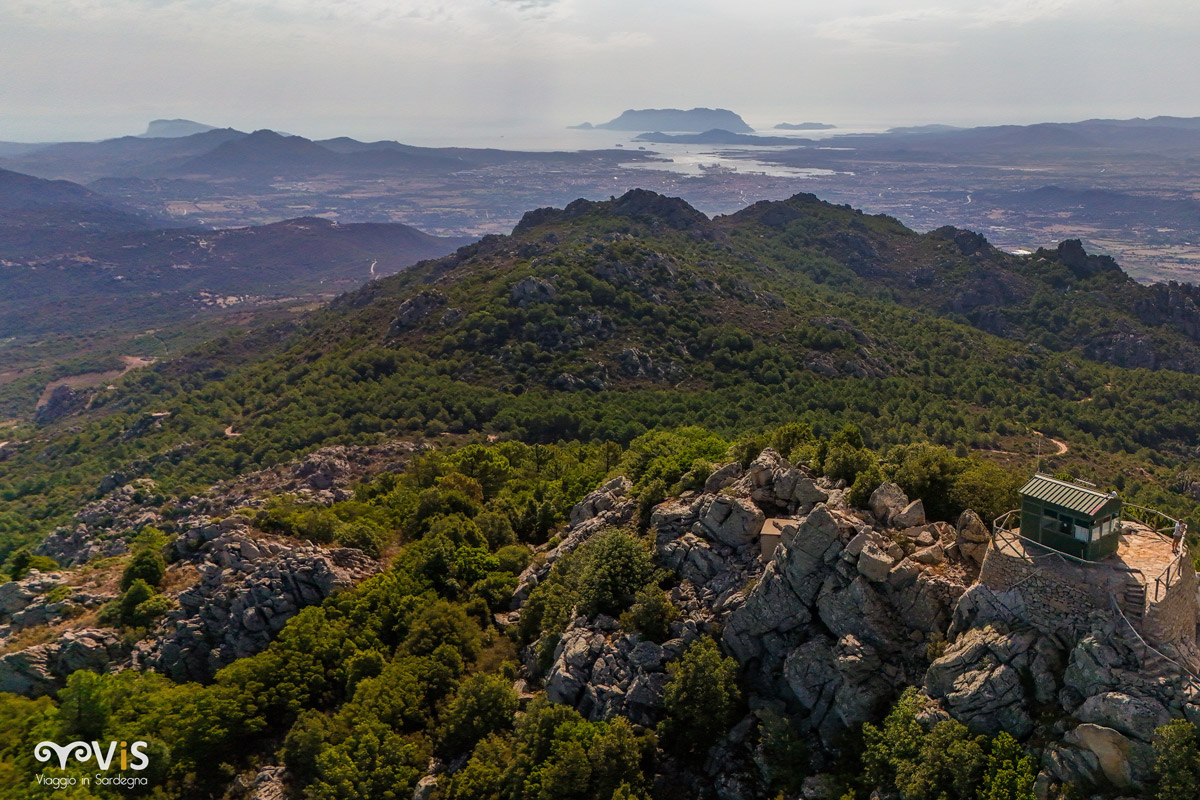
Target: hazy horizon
(86, 70)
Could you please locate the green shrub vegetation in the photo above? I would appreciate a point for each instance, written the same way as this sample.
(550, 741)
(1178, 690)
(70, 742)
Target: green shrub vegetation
(662, 353)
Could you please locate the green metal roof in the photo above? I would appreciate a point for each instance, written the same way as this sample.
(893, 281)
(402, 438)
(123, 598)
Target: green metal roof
(1070, 496)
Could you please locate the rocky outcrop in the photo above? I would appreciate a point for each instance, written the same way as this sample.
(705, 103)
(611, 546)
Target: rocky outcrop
(415, 309)
(27, 603)
(972, 537)
(840, 684)
(843, 615)
(43, 669)
(912, 515)
(776, 485)
(606, 497)
(104, 526)
(1105, 690)
(607, 506)
(982, 679)
(725, 475)
(732, 521)
(62, 402)
(602, 671)
(887, 501)
(249, 588)
(531, 290)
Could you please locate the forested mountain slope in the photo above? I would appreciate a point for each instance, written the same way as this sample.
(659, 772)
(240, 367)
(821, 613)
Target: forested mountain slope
(603, 320)
(337, 557)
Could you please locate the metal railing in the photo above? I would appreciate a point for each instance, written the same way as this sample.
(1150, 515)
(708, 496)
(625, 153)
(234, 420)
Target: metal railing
(999, 529)
(1172, 573)
(1151, 518)
(1001, 523)
(1155, 521)
(1163, 526)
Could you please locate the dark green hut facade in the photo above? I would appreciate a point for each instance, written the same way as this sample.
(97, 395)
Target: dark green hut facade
(1073, 519)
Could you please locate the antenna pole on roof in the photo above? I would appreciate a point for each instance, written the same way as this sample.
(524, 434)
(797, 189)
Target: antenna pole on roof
(1039, 452)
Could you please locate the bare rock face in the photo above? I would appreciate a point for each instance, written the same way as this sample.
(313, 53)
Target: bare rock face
(1137, 717)
(602, 674)
(730, 520)
(972, 537)
(248, 591)
(781, 600)
(104, 526)
(606, 497)
(776, 485)
(980, 678)
(722, 476)
(840, 684)
(26, 604)
(911, 515)
(532, 290)
(43, 669)
(270, 784)
(873, 563)
(931, 555)
(887, 501)
(1091, 756)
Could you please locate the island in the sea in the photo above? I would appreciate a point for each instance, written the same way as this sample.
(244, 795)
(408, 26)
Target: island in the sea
(719, 136)
(174, 129)
(804, 126)
(694, 120)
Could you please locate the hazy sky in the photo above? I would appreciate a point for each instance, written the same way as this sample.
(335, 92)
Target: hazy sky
(85, 69)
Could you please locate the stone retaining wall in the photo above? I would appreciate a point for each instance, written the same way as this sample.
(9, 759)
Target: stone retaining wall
(1060, 595)
(1173, 618)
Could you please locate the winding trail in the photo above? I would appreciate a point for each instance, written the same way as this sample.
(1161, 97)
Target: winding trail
(1061, 445)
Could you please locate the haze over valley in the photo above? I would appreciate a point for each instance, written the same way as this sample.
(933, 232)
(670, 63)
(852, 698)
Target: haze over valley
(547, 400)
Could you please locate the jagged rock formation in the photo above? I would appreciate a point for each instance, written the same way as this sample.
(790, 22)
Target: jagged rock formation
(604, 672)
(249, 588)
(851, 606)
(241, 587)
(842, 615)
(27, 604)
(1105, 689)
(324, 476)
(43, 668)
(62, 401)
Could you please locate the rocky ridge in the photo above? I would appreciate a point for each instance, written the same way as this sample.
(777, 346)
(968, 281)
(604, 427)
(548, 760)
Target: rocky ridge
(234, 587)
(850, 607)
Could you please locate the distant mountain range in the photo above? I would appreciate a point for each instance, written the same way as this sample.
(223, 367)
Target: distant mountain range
(39, 217)
(63, 246)
(1156, 135)
(229, 153)
(695, 120)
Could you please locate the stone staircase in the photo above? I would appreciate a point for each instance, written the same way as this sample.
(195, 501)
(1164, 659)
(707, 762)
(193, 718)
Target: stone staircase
(1133, 602)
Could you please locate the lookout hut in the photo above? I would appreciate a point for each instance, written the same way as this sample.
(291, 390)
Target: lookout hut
(1070, 517)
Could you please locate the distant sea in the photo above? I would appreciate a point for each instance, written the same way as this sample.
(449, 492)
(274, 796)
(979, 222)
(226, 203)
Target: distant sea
(684, 159)
(543, 139)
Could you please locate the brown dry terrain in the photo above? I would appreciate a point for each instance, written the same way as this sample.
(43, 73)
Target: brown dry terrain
(91, 380)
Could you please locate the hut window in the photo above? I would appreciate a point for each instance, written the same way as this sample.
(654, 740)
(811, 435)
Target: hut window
(1081, 533)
